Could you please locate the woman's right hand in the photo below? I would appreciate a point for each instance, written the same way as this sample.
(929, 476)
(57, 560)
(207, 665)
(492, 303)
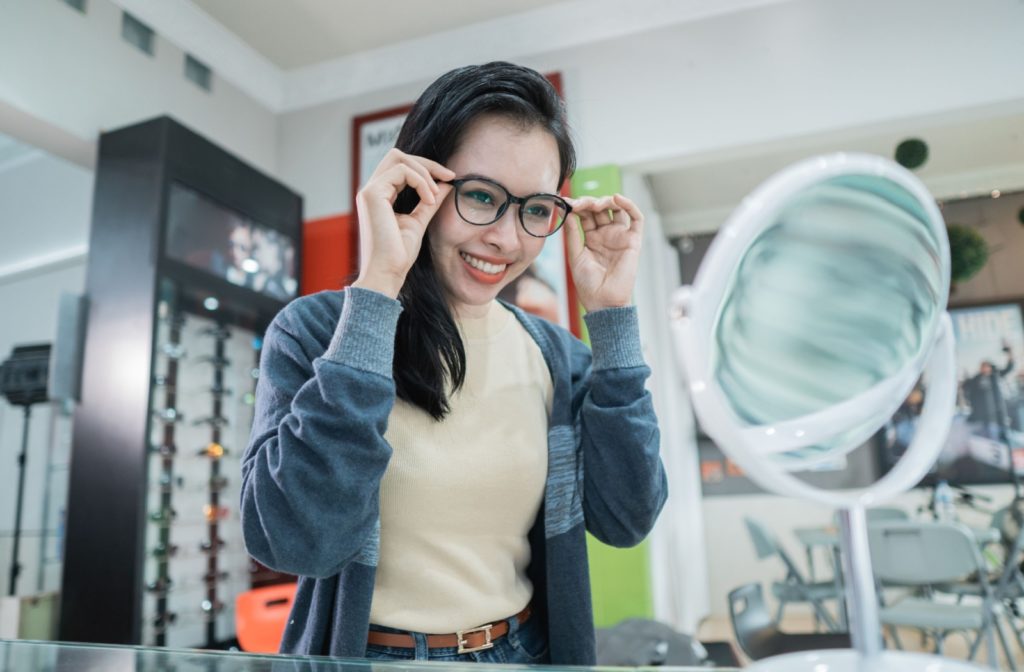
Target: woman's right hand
(389, 242)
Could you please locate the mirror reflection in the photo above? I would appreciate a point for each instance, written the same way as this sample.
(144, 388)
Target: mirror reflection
(835, 295)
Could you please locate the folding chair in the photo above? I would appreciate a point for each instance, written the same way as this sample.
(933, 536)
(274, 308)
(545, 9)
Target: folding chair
(925, 555)
(759, 636)
(794, 588)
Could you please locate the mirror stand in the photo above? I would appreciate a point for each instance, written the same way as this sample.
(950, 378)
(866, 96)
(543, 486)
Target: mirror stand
(859, 583)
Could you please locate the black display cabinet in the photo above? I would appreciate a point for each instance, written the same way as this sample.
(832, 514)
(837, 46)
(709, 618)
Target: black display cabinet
(192, 252)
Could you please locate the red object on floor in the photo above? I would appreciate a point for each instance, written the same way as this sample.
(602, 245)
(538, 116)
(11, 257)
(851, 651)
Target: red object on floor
(327, 253)
(260, 617)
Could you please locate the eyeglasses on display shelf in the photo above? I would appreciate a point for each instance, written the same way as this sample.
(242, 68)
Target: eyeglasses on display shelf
(173, 351)
(213, 511)
(163, 552)
(167, 413)
(166, 450)
(216, 361)
(213, 450)
(160, 587)
(168, 416)
(211, 545)
(213, 420)
(220, 391)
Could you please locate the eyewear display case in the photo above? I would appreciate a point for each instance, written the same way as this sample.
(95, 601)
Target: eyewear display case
(192, 253)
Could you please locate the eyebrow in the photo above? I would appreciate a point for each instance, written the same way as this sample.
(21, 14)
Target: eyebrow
(480, 176)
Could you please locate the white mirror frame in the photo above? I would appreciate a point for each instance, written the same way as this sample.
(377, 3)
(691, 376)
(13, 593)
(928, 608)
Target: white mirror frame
(694, 312)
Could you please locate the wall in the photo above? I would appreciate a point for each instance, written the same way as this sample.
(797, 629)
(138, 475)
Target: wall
(45, 208)
(28, 314)
(74, 71)
(996, 219)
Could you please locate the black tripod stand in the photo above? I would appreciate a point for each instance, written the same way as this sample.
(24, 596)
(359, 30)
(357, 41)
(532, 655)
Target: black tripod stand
(23, 381)
(15, 565)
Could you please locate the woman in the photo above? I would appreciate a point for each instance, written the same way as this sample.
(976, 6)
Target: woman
(427, 459)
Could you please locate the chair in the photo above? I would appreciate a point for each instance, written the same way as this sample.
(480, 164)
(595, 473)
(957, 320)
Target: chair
(881, 514)
(261, 615)
(638, 642)
(924, 555)
(794, 588)
(1008, 581)
(759, 636)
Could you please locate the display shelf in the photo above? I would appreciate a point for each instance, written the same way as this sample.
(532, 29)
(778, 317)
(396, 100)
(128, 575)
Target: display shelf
(175, 217)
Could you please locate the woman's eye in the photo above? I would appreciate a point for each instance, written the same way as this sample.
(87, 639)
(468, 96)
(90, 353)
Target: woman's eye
(481, 197)
(540, 211)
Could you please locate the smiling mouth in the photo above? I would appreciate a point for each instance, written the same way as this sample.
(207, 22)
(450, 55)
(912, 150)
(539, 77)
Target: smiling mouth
(483, 266)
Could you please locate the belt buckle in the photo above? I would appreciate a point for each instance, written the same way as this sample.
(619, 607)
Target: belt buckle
(488, 644)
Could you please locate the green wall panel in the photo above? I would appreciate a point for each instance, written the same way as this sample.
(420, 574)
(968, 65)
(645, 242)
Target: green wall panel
(620, 579)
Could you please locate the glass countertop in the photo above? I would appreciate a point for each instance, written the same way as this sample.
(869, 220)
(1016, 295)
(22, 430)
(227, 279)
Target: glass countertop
(31, 656)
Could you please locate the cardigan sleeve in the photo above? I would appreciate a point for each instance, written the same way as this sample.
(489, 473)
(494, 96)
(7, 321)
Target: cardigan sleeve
(311, 472)
(624, 482)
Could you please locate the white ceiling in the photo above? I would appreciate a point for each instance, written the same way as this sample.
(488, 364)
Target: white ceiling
(297, 33)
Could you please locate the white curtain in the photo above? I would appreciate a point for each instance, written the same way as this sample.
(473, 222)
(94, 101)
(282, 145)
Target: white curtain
(677, 549)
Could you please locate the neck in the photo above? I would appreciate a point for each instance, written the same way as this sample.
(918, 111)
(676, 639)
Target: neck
(471, 312)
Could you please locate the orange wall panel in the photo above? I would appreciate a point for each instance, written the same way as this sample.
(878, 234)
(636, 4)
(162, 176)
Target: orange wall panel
(327, 253)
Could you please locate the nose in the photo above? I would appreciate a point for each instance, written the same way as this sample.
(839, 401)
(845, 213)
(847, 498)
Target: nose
(503, 234)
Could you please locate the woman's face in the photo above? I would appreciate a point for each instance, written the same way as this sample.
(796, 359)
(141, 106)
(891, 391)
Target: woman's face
(473, 263)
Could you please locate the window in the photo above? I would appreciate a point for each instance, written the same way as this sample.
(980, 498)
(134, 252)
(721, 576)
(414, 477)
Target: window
(77, 4)
(197, 72)
(137, 33)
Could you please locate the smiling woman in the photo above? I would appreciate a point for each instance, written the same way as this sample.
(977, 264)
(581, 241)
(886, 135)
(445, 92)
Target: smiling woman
(418, 451)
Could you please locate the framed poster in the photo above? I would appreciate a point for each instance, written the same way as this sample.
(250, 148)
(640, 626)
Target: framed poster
(373, 135)
(545, 289)
(988, 423)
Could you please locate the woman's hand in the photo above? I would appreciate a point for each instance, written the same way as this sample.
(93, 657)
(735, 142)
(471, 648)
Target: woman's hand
(389, 242)
(604, 251)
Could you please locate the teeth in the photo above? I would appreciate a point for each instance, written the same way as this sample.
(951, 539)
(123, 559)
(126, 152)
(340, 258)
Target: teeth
(481, 265)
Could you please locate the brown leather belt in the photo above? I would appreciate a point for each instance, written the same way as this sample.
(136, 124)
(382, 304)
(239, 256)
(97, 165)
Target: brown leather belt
(467, 641)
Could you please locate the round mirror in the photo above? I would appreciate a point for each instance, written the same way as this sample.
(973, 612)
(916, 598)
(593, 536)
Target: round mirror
(818, 307)
(813, 316)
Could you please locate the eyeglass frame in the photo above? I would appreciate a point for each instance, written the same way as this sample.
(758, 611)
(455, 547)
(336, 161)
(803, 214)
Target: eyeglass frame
(509, 199)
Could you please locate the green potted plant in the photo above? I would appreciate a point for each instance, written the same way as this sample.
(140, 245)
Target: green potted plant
(968, 252)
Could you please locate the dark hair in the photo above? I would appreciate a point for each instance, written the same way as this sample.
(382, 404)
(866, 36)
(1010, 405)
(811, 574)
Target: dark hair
(429, 354)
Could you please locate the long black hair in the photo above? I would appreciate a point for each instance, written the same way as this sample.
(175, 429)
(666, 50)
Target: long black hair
(430, 360)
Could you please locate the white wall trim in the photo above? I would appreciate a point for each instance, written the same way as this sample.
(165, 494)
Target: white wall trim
(36, 132)
(1007, 179)
(21, 159)
(199, 34)
(555, 27)
(44, 263)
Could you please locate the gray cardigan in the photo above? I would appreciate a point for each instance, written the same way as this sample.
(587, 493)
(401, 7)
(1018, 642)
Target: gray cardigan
(312, 470)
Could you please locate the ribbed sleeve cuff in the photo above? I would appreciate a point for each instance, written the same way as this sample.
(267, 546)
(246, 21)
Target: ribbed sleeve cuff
(615, 338)
(365, 336)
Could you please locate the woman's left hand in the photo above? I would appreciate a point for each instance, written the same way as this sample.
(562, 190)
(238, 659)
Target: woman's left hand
(604, 251)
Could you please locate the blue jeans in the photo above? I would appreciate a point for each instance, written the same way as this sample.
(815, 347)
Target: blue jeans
(525, 644)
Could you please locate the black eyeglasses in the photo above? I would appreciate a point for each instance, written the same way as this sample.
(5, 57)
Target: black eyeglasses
(480, 201)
